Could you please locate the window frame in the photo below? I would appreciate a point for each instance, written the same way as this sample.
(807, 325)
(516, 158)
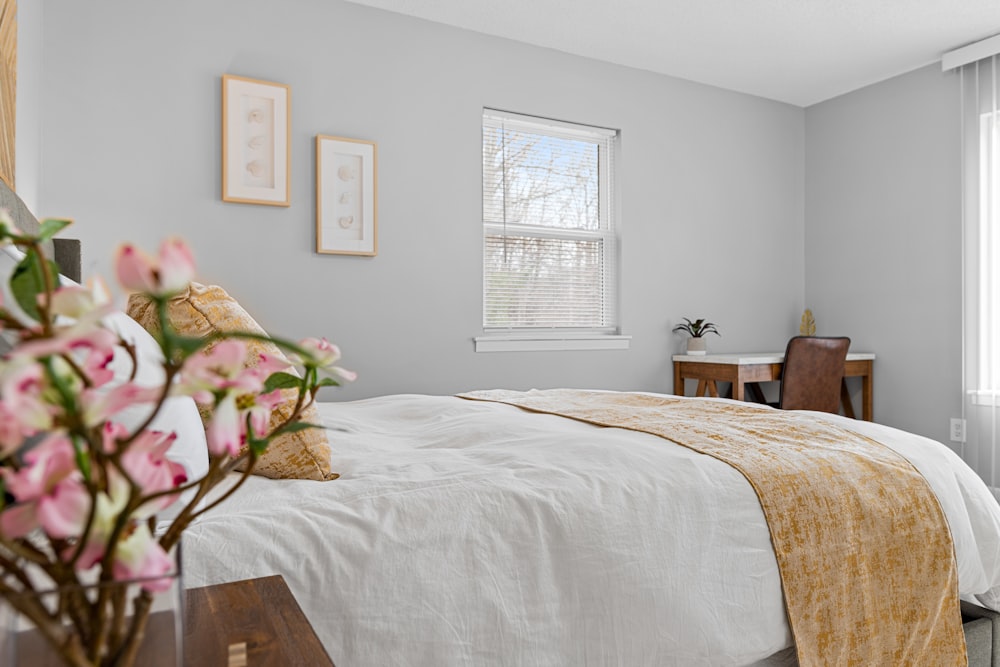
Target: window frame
(608, 336)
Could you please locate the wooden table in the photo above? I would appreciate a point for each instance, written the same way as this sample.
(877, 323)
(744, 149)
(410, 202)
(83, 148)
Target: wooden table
(751, 368)
(248, 623)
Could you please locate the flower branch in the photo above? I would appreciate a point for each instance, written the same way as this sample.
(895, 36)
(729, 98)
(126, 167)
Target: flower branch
(80, 492)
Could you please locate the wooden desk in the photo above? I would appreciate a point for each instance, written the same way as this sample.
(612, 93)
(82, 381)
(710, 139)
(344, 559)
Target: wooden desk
(749, 369)
(247, 623)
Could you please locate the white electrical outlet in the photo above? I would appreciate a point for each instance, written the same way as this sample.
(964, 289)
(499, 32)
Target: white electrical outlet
(957, 430)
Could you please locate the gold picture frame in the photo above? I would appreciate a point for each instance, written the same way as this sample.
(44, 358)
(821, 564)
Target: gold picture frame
(346, 196)
(256, 141)
(8, 88)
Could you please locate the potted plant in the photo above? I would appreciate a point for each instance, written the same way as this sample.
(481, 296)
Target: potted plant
(697, 330)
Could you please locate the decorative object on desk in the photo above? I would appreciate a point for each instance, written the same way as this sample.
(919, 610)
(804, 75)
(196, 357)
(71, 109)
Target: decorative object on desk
(697, 329)
(85, 473)
(808, 325)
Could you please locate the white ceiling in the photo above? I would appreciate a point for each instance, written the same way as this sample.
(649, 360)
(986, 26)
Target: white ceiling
(796, 51)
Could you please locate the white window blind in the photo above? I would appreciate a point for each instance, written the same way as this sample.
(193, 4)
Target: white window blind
(550, 240)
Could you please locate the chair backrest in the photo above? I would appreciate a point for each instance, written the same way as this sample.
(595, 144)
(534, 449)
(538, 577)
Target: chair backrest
(813, 372)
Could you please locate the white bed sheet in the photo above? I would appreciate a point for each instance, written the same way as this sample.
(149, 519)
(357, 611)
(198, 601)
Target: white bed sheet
(469, 533)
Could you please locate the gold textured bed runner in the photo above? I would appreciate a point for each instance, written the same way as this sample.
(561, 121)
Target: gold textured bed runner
(864, 550)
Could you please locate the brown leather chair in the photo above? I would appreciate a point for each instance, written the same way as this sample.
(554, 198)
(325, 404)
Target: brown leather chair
(813, 373)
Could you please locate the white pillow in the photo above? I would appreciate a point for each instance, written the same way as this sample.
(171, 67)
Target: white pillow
(179, 413)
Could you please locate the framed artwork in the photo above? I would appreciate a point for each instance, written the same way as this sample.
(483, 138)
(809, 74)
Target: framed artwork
(346, 196)
(256, 161)
(8, 84)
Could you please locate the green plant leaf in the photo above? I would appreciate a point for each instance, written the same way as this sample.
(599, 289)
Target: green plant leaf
(327, 382)
(295, 427)
(52, 226)
(187, 344)
(258, 445)
(28, 281)
(281, 380)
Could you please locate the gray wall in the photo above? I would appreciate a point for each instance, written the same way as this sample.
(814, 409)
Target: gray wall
(883, 248)
(712, 188)
(28, 140)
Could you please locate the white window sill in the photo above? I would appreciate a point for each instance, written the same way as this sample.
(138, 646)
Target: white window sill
(984, 397)
(538, 343)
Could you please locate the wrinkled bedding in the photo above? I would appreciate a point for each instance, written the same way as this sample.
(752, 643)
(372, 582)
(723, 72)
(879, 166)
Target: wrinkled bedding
(465, 533)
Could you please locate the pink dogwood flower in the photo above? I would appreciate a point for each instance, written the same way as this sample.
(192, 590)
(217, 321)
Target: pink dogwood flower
(12, 431)
(227, 430)
(169, 273)
(136, 554)
(271, 363)
(7, 227)
(145, 461)
(49, 492)
(140, 556)
(220, 370)
(75, 301)
(324, 354)
(258, 410)
(22, 391)
(224, 432)
(99, 404)
(90, 345)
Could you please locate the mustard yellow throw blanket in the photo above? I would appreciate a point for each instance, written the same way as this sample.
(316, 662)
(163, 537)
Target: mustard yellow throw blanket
(864, 550)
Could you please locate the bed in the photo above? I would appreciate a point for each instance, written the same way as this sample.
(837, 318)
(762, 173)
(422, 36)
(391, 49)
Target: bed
(469, 533)
(477, 533)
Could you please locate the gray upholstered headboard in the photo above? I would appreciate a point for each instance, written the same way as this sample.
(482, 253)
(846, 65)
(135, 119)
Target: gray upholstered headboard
(65, 252)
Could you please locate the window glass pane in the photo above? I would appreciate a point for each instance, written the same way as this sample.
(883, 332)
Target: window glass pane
(540, 282)
(535, 179)
(550, 242)
(989, 249)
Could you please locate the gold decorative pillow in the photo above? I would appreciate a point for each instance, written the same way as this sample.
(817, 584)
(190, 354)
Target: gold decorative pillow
(202, 310)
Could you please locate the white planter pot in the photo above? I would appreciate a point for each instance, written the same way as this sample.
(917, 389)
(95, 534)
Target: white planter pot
(696, 346)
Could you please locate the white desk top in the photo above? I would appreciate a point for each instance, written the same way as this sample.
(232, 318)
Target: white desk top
(748, 358)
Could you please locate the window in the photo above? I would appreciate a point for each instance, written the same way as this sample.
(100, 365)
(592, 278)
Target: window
(549, 235)
(979, 88)
(988, 243)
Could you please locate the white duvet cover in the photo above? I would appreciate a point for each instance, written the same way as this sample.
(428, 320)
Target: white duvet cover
(469, 533)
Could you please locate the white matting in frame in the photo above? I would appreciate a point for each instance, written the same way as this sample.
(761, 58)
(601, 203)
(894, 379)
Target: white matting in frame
(256, 161)
(346, 196)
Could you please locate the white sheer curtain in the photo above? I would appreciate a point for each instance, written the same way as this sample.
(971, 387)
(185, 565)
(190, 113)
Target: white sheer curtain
(981, 254)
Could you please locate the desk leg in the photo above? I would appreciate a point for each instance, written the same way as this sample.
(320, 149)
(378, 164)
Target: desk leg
(707, 388)
(845, 400)
(678, 380)
(739, 385)
(867, 409)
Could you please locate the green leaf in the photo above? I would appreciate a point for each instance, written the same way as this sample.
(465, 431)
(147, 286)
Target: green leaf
(295, 427)
(327, 382)
(187, 345)
(257, 445)
(28, 281)
(281, 380)
(52, 226)
(82, 458)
